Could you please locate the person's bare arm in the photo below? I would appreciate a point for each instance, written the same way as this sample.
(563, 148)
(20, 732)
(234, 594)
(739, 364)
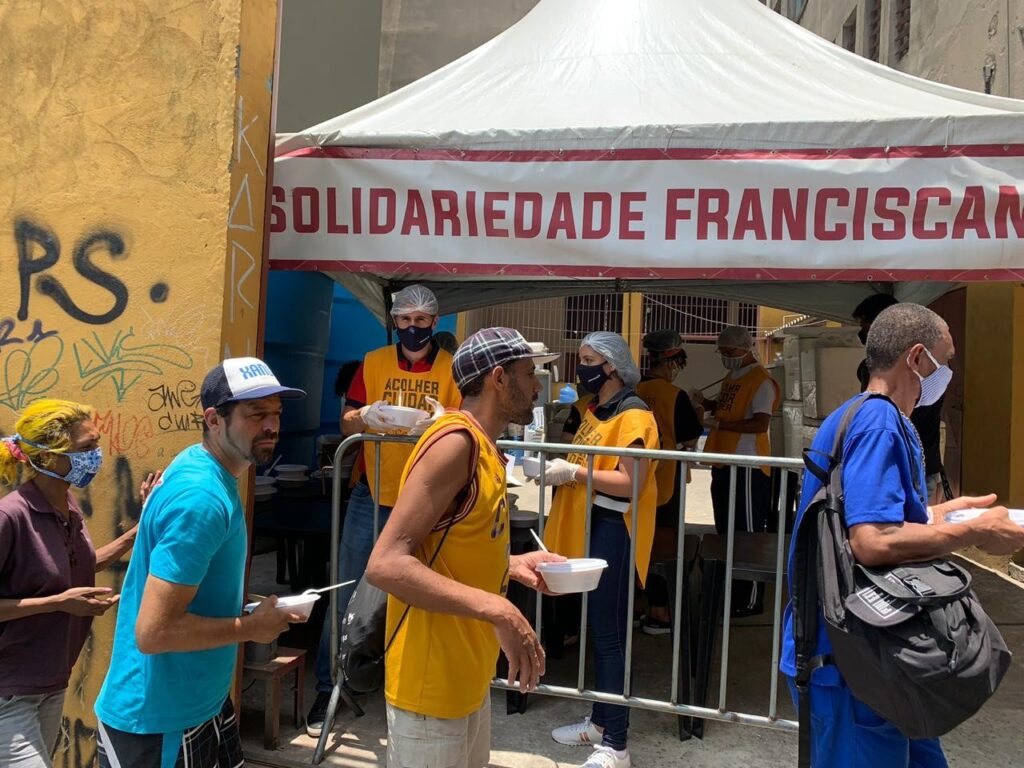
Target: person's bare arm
(78, 601)
(351, 422)
(618, 481)
(429, 491)
(110, 553)
(164, 624)
(880, 545)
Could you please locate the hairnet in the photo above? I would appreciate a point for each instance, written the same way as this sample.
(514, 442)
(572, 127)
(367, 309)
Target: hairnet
(613, 348)
(414, 298)
(663, 341)
(735, 336)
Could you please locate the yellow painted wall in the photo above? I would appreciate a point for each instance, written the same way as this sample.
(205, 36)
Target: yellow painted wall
(993, 449)
(134, 132)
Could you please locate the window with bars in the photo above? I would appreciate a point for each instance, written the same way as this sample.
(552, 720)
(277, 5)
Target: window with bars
(873, 29)
(901, 28)
(600, 312)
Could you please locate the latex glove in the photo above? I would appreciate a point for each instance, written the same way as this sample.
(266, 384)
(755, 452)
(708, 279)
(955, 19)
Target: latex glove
(697, 397)
(711, 422)
(374, 418)
(560, 472)
(427, 422)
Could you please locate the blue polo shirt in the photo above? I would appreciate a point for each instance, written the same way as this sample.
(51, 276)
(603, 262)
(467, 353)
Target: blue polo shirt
(192, 532)
(878, 473)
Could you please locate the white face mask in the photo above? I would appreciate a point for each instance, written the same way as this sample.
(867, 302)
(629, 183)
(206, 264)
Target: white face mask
(933, 386)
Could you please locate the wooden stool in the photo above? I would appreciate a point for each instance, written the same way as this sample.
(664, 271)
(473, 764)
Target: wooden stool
(271, 673)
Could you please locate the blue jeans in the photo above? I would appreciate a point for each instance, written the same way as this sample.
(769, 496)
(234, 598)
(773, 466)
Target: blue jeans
(845, 733)
(608, 622)
(357, 538)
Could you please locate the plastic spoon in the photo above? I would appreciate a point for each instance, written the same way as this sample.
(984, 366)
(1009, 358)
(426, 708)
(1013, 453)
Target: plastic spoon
(267, 471)
(539, 542)
(312, 591)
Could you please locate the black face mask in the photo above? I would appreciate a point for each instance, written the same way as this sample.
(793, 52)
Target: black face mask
(592, 377)
(863, 336)
(414, 339)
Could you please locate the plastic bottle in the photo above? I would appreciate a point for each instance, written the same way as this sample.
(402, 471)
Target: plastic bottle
(567, 394)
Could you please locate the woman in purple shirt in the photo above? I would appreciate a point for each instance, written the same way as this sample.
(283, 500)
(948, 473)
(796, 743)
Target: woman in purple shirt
(48, 592)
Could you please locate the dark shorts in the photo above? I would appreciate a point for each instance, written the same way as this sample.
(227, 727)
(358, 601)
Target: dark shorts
(213, 744)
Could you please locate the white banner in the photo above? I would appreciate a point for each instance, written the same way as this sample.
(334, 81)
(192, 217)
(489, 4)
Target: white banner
(951, 213)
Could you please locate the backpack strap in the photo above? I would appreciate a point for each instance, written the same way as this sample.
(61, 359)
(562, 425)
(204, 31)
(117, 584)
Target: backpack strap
(804, 579)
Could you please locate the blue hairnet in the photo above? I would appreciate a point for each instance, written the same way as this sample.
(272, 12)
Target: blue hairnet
(613, 348)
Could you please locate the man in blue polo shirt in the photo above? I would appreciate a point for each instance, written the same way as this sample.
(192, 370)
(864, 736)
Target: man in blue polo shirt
(165, 698)
(908, 352)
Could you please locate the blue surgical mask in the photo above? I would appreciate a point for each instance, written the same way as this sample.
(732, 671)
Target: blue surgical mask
(414, 339)
(933, 386)
(732, 363)
(84, 465)
(592, 377)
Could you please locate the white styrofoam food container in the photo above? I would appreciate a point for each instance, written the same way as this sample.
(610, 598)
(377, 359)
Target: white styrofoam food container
(301, 605)
(294, 470)
(580, 574)
(402, 416)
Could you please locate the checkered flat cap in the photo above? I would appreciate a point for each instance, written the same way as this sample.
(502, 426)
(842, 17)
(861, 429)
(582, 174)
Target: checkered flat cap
(488, 348)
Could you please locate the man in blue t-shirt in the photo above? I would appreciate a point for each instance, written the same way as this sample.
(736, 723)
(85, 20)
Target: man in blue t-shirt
(908, 352)
(165, 698)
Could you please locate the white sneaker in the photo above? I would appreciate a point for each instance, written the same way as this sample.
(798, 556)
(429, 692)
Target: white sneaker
(582, 734)
(606, 757)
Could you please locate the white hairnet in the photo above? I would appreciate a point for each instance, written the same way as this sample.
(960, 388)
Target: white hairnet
(613, 348)
(414, 298)
(735, 336)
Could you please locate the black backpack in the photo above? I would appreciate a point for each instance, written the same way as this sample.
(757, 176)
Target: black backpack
(912, 642)
(362, 649)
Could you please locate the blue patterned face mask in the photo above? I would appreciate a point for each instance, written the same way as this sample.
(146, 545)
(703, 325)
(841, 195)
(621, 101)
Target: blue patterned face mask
(84, 465)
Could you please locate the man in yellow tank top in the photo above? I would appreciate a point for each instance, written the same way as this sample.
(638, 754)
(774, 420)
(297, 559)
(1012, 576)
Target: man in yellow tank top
(413, 373)
(443, 557)
(741, 414)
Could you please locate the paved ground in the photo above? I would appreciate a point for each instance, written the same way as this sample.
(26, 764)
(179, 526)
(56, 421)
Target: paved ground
(993, 739)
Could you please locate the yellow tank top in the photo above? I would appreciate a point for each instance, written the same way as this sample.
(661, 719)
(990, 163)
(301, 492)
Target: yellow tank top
(660, 396)
(733, 401)
(385, 380)
(441, 665)
(565, 529)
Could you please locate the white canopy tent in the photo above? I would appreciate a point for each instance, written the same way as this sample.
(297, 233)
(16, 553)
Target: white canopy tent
(664, 145)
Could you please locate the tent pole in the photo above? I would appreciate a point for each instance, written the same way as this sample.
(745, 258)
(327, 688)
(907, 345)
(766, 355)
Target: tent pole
(388, 323)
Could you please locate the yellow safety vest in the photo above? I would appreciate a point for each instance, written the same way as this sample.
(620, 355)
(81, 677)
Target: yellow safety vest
(386, 380)
(733, 401)
(565, 529)
(660, 396)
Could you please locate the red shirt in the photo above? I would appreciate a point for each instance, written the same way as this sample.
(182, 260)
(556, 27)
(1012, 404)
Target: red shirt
(41, 556)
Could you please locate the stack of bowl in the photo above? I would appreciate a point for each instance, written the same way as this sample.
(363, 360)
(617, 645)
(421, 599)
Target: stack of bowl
(264, 488)
(291, 475)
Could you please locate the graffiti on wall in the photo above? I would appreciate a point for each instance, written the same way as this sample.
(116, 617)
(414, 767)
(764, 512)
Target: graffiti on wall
(123, 361)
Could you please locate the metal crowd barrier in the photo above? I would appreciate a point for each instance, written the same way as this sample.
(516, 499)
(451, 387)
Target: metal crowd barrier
(581, 692)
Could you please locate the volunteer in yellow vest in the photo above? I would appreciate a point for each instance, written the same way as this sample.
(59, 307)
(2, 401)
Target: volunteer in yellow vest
(615, 417)
(739, 425)
(443, 557)
(679, 428)
(414, 373)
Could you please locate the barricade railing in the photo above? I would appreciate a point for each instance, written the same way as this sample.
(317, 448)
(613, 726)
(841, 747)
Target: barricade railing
(683, 458)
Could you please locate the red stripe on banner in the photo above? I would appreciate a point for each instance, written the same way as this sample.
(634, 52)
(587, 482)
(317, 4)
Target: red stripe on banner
(611, 155)
(455, 269)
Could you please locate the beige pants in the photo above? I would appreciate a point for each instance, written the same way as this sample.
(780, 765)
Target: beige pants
(418, 741)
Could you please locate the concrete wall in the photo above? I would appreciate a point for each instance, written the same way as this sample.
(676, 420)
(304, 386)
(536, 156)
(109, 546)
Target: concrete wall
(950, 42)
(330, 51)
(132, 191)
